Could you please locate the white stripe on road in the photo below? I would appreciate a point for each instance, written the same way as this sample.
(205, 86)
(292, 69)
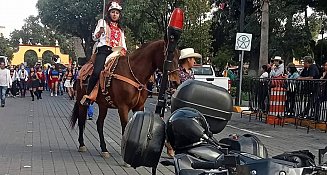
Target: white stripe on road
(252, 132)
(153, 104)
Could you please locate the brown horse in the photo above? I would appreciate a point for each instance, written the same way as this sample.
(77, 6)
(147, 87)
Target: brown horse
(138, 66)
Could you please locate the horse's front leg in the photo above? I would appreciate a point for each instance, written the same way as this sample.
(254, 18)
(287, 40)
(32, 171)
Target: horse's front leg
(123, 115)
(81, 127)
(100, 122)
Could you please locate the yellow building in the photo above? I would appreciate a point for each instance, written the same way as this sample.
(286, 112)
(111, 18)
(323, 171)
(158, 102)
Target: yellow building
(18, 57)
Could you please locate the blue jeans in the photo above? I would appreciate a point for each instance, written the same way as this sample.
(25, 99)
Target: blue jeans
(3, 90)
(90, 111)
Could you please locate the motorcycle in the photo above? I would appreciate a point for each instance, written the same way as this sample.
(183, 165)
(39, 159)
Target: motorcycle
(200, 111)
(199, 153)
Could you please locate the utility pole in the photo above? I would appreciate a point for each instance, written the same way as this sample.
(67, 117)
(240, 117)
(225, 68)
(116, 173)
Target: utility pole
(238, 99)
(264, 34)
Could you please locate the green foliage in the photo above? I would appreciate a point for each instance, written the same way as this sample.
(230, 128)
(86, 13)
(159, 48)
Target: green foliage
(148, 21)
(197, 27)
(246, 83)
(223, 57)
(47, 57)
(33, 31)
(291, 30)
(5, 49)
(30, 58)
(73, 17)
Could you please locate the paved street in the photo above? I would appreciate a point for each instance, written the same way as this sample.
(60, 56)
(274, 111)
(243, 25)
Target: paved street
(35, 138)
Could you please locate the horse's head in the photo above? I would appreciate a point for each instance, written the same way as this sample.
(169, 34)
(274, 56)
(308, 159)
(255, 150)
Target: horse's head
(151, 56)
(173, 75)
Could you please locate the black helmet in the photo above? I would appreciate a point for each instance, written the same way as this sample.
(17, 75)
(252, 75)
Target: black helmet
(185, 128)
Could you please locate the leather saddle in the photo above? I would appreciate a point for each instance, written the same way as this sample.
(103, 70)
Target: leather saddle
(87, 70)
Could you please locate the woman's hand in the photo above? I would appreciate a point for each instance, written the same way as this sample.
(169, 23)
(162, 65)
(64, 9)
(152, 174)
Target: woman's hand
(100, 32)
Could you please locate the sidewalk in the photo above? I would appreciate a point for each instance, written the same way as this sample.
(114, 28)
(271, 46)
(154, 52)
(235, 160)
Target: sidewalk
(36, 139)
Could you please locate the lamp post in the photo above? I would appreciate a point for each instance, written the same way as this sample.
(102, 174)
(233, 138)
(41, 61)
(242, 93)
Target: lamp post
(322, 32)
(322, 43)
(238, 100)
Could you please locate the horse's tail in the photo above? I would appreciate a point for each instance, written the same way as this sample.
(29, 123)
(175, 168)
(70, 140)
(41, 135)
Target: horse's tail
(75, 114)
(79, 111)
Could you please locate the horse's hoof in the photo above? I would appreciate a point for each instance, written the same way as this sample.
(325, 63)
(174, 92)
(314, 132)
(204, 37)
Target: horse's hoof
(105, 155)
(82, 149)
(127, 165)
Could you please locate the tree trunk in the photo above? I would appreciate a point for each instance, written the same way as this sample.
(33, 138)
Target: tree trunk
(307, 28)
(264, 34)
(88, 47)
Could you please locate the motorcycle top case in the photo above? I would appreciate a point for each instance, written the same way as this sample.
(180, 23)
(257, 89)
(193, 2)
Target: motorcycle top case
(143, 140)
(214, 102)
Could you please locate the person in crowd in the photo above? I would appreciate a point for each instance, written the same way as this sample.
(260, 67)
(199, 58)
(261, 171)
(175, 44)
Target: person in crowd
(54, 79)
(5, 82)
(150, 86)
(186, 62)
(61, 82)
(46, 74)
(277, 67)
(310, 70)
(158, 77)
(76, 72)
(263, 88)
(291, 87)
(324, 73)
(23, 77)
(108, 34)
(17, 83)
(41, 77)
(14, 78)
(33, 83)
(265, 71)
(69, 82)
(310, 88)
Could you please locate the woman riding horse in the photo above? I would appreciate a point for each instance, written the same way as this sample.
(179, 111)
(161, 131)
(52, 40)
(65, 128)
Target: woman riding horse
(108, 35)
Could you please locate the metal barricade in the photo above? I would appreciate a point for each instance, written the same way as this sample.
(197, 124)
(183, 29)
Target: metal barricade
(290, 100)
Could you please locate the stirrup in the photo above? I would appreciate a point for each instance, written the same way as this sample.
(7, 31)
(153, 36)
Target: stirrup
(85, 101)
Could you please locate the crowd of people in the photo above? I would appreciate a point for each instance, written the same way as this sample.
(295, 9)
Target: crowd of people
(307, 84)
(16, 81)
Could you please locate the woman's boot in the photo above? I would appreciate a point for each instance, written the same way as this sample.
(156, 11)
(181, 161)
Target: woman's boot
(40, 94)
(32, 95)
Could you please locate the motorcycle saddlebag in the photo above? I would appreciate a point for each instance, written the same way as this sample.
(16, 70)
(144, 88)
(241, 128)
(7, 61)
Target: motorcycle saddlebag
(214, 102)
(143, 140)
(247, 144)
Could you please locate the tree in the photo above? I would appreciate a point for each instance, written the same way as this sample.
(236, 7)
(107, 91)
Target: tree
(291, 30)
(74, 17)
(148, 21)
(264, 48)
(33, 31)
(196, 31)
(5, 49)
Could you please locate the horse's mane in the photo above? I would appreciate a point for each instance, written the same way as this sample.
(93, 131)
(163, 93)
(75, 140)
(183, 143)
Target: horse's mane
(143, 46)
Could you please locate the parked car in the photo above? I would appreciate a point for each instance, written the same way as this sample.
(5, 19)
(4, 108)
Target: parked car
(206, 73)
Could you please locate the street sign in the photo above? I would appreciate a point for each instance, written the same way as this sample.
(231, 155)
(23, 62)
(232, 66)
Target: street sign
(243, 41)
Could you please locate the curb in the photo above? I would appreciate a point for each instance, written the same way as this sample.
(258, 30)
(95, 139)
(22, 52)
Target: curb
(239, 109)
